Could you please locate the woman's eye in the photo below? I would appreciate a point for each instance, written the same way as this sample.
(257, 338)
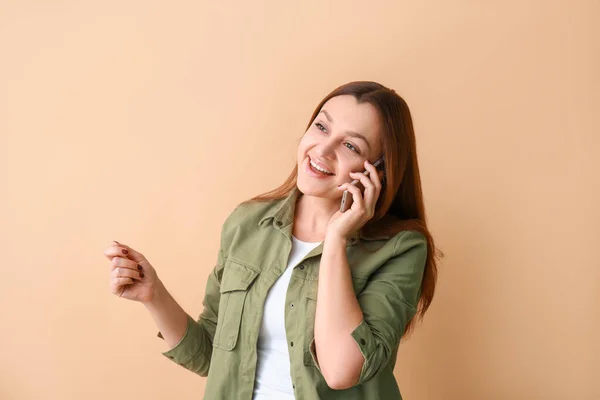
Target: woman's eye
(351, 147)
(347, 144)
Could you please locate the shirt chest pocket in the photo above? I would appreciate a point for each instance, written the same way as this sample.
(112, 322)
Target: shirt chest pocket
(236, 282)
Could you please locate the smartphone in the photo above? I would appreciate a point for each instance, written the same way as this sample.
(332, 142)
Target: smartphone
(347, 196)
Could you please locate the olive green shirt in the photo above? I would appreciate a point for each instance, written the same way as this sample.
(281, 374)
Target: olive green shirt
(256, 240)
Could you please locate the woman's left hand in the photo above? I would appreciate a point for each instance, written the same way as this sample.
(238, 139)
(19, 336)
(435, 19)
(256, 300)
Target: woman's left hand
(341, 225)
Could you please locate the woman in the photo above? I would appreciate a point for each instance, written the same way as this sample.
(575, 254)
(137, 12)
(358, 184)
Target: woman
(306, 301)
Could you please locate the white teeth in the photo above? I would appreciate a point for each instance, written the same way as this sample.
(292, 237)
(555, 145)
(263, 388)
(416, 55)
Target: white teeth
(319, 168)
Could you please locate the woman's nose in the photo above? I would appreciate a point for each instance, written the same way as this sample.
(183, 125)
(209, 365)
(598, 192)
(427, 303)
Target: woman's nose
(325, 149)
(325, 153)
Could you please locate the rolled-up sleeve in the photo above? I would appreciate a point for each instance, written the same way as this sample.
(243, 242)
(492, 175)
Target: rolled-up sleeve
(389, 301)
(194, 350)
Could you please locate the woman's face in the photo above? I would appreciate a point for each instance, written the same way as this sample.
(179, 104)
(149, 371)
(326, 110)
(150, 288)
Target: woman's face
(343, 135)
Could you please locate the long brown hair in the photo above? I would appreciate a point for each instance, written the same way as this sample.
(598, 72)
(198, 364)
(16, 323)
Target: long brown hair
(400, 205)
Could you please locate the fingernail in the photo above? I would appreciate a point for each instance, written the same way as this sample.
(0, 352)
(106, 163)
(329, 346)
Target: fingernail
(141, 274)
(140, 267)
(124, 251)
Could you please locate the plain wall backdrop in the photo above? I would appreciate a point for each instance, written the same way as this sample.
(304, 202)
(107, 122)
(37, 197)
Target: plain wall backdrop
(147, 122)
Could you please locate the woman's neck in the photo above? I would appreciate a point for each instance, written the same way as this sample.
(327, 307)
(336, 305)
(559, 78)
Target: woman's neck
(311, 216)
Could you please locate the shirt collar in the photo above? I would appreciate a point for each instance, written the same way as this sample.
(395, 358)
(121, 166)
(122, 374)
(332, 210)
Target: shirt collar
(282, 215)
(282, 210)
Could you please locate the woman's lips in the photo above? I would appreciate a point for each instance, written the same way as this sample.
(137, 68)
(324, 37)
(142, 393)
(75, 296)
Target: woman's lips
(314, 173)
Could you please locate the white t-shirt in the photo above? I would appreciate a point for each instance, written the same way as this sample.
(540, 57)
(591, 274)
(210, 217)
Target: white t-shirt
(273, 379)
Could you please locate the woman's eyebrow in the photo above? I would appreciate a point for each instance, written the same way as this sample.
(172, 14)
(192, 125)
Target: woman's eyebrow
(358, 135)
(326, 114)
(351, 133)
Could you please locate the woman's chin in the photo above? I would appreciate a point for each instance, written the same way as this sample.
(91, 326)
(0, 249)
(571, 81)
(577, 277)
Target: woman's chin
(316, 190)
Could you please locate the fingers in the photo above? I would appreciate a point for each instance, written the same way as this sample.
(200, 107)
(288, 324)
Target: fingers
(366, 201)
(367, 195)
(121, 272)
(117, 285)
(373, 175)
(133, 254)
(115, 251)
(357, 199)
(372, 184)
(365, 180)
(122, 250)
(370, 194)
(124, 271)
(117, 282)
(124, 263)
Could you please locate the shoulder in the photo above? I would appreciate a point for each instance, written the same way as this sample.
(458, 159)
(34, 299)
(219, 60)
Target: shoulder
(245, 218)
(248, 213)
(406, 258)
(408, 248)
(402, 251)
(405, 241)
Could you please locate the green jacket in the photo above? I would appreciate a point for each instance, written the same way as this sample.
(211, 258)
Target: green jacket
(255, 244)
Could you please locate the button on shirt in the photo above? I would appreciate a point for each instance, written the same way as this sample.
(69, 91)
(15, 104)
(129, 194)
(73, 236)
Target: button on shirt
(256, 242)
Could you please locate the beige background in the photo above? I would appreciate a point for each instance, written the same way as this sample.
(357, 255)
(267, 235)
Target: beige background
(147, 122)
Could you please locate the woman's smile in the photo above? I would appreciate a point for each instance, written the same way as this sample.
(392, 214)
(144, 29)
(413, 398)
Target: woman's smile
(316, 173)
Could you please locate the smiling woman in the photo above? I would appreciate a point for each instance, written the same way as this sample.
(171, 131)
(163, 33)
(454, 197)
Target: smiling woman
(357, 121)
(306, 301)
(353, 126)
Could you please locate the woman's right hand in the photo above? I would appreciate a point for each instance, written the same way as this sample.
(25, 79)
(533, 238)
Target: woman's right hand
(132, 277)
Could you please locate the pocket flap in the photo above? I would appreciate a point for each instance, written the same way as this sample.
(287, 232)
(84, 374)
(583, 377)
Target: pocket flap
(236, 276)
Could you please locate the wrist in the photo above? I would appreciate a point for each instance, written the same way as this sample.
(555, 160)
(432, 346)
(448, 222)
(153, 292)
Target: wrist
(158, 294)
(335, 238)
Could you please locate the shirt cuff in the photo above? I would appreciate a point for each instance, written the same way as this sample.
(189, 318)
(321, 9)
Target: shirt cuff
(313, 353)
(363, 336)
(189, 347)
